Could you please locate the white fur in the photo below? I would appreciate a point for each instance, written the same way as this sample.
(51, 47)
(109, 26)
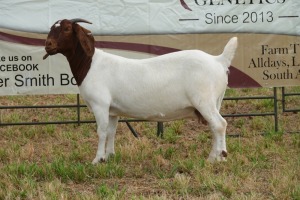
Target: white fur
(162, 88)
(57, 24)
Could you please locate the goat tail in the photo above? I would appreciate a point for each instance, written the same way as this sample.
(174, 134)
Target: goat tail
(229, 51)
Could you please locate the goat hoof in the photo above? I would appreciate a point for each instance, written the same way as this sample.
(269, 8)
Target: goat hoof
(110, 156)
(97, 160)
(218, 157)
(224, 154)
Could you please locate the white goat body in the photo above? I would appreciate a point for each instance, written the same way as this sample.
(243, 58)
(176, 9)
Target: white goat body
(178, 85)
(162, 88)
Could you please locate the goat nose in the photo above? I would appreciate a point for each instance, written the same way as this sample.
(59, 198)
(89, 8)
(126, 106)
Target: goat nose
(48, 43)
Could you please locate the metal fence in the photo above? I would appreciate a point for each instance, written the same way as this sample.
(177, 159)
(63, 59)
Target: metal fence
(285, 96)
(274, 113)
(78, 106)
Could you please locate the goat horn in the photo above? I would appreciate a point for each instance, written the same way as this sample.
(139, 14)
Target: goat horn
(76, 20)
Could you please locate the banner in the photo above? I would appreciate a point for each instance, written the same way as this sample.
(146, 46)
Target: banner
(267, 30)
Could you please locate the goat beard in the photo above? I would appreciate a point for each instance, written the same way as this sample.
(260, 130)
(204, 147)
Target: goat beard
(49, 53)
(45, 56)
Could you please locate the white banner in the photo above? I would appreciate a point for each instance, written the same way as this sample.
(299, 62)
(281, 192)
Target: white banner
(120, 17)
(270, 60)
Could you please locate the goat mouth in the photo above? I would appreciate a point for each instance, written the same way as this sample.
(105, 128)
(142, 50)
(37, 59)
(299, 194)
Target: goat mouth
(49, 52)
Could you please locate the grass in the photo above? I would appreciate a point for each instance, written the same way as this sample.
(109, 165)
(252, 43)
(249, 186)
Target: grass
(54, 161)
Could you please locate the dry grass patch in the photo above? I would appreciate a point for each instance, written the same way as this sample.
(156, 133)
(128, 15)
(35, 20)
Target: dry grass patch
(53, 161)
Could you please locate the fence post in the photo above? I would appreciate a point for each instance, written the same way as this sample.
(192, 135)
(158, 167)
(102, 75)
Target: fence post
(276, 109)
(283, 98)
(131, 129)
(160, 129)
(78, 110)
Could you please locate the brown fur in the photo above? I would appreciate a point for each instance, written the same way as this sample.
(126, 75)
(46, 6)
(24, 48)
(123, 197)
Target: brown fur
(76, 43)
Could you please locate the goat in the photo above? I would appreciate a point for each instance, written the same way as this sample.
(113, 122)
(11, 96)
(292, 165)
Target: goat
(184, 84)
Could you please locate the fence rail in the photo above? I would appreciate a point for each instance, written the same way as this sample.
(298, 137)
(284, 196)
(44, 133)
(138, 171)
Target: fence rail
(286, 95)
(78, 106)
(78, 121)
(273, 97)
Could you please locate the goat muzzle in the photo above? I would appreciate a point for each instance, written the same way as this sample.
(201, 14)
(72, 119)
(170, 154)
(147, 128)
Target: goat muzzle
(50, 47)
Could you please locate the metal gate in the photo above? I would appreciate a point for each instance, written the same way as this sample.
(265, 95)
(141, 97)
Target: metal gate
(78, 106)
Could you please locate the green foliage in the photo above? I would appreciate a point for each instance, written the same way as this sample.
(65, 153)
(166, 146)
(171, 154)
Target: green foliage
(105, 191)
(53, 161)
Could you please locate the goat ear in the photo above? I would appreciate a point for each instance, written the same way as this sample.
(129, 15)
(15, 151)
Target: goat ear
(86, 39)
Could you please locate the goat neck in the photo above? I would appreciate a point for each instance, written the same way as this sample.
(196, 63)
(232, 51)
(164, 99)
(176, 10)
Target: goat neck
(79, 62)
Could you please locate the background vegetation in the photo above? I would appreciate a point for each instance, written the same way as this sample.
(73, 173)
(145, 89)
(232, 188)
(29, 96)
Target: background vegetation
(54, 161)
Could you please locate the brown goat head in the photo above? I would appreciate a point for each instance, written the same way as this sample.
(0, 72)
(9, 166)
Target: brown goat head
(66, 36)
